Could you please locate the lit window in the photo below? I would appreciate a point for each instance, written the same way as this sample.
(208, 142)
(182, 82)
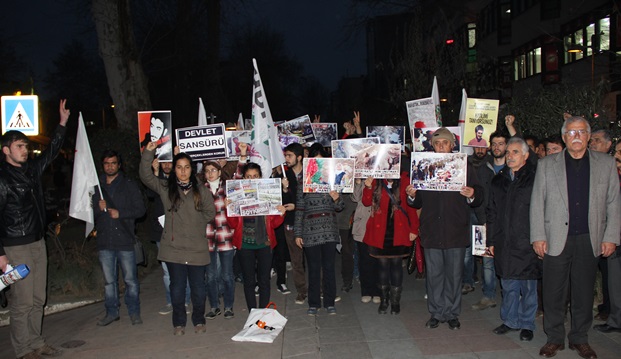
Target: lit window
(604, 34)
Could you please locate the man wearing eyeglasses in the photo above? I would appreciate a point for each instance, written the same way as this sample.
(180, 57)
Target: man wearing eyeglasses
(575, 217)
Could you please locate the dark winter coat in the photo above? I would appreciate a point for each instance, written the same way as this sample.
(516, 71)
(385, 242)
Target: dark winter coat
(508, 224)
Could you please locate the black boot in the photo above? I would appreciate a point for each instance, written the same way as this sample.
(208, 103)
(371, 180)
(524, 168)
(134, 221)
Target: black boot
(395, 298)
(384, 296)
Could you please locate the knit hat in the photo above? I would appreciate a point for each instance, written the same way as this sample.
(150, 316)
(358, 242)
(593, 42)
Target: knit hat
(443, 133)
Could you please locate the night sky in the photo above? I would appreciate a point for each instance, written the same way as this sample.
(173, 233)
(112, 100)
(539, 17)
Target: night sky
(314, 33)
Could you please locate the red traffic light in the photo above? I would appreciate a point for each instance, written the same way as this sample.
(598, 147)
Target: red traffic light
(449, 41)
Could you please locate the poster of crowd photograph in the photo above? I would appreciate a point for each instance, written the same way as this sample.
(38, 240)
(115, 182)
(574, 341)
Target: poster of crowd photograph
(325, 133)
(156, 126)
(202, 142)
(378, 161)
(349, 148)
(298, 130)
(481, 118)
(328, 174)
(421, 139)
(479, 241)
(388, 134)
(438, 171)
(233, 139)
(253, 197)
(422, 110)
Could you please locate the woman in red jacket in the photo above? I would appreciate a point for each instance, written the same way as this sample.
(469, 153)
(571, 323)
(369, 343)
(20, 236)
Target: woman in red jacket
(254, 238)
(391, 229)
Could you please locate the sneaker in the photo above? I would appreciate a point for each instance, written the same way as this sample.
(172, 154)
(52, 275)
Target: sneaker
(167, 309)
(289, 267)
(484, 303)
(467, 288)
(200, 328)
(272, 273)
(300, 299)
(331, 310)
(228, 313)
(337, 299)
(454, 324)
(188, 309)
(377, 300)
(135, 319)
(213, 313)
(282, 288)
(312, 311)
(366, 299)
(107, 320)
(256, 290)
(49, 351)
(179, 331)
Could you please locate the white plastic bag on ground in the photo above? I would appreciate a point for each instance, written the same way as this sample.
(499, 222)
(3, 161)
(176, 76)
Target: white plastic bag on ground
(262, 326)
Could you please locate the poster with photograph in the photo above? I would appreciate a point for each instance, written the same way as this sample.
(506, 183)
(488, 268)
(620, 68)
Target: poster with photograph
(421, 139)
(253, 197)
(202, 142)
(348, 148)
(422, 111)
(479, 241)
(325, 133)
(438, 171)
(323, 175)
(378, 161)
(156, 126)
(388, 134)
(298, 130)
(233, 139)
(481, 119)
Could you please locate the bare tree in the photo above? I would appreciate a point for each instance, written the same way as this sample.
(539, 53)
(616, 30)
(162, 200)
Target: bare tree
(117, 48)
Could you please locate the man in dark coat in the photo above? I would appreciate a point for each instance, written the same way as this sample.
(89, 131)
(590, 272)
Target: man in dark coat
(508, 227)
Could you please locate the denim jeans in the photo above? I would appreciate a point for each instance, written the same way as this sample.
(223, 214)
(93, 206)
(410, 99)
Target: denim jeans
(489, 278)
(227, 276)
(110, 260)
(166, 278)
(519, 303)
(468, 267)
(180, 274)
(256, 265)
(320, 261)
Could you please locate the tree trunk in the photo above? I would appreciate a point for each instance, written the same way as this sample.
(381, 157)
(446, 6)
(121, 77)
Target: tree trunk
(117, 48)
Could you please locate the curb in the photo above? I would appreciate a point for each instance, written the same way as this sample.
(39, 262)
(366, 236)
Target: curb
(49, 309)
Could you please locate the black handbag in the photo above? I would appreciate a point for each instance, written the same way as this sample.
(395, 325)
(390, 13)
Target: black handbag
(412, 258)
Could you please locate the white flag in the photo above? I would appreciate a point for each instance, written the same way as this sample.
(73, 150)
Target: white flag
(462, 121)
(435, 95)
(84, 180)
(202, 114)
(264, 136)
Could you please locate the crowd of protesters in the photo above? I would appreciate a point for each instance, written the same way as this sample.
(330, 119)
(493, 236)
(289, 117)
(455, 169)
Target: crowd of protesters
(551, 211)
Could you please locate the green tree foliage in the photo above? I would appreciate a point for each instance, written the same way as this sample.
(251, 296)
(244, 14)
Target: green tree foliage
(540, 113)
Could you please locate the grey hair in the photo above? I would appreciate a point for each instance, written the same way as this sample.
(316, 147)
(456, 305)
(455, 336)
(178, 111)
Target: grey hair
(519, 141)
(605, 134)
(573, 119)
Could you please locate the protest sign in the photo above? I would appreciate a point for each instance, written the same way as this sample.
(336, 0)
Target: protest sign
(479, 241)
(422, 138)
(378, 161)
(328, 174)
(298, 130)
(481, 118)
(438, 171)
(202, 142)
(387, 134)
(156, 126)
(325, 133)
(349, 148)
(422, 110)
(253, 197)
(233, 139)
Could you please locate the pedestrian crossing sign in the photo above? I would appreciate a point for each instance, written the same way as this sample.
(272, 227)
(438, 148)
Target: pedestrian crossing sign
(20, 113)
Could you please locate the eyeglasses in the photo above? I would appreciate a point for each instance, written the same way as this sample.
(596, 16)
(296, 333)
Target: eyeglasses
(574, 132)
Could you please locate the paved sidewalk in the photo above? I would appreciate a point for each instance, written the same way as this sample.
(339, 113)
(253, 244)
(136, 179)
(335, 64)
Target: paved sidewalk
(357, 331)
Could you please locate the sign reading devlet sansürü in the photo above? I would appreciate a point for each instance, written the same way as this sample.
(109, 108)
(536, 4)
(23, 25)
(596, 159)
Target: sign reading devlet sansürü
(202, 142)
